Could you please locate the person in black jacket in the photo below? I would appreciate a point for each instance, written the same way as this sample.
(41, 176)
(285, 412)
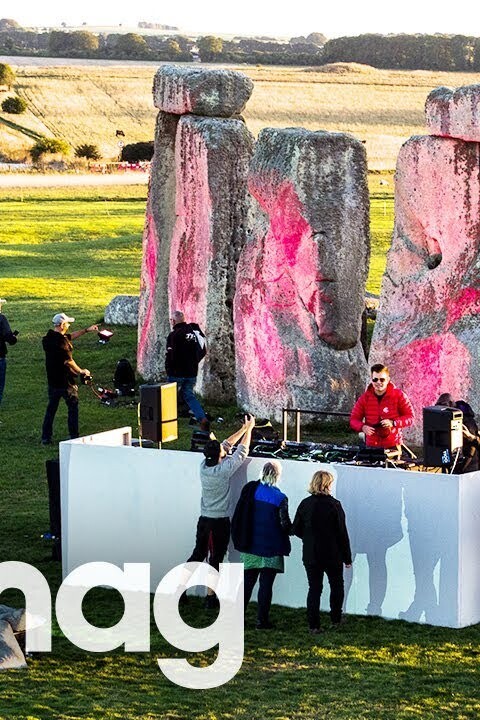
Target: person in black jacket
(6, 336)
(182, 359)
(62, 371)
(320, 523)
(260, 530)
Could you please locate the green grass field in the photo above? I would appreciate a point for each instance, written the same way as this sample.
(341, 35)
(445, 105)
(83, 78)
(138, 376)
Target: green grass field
(72, 251)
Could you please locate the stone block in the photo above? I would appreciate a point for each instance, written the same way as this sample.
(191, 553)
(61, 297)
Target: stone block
(301, 276)
(454, 113)
(11, 656)
(428, 324)
(200, 91)
(122, 310)
(212, 159)
(153, 311)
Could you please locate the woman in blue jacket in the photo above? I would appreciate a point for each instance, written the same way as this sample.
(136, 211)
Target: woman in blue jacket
(260, 530)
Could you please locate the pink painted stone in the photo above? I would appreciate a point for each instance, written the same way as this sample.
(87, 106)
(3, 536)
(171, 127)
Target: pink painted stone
(428, 327)
(454, 113)
(301, 276)
(153, 311)
(200, 91)
(212, 158)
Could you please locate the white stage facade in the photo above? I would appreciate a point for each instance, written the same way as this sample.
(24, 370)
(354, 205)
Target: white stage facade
(415, 536)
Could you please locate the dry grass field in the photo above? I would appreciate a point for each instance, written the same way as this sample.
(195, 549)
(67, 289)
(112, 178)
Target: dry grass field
(89, 102)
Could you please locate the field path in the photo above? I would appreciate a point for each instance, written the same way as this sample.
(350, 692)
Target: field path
(27, 180)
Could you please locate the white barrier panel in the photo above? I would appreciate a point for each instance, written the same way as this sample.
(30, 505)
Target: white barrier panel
(415, 536)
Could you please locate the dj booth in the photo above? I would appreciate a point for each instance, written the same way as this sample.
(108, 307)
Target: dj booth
(415, 536)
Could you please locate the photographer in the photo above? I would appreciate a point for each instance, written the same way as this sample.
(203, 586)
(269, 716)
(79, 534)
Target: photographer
(6, 336)
(62, 371)
(216, 470)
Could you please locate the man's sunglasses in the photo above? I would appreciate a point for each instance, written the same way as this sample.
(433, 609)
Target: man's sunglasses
(379, 380)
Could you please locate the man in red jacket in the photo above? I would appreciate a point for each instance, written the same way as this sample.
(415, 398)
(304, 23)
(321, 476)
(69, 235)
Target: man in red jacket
(382, 411)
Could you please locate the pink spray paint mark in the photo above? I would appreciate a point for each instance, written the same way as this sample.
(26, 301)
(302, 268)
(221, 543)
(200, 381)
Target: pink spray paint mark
(431, 366)
(191, 247)
(466, 303)
(150, 257)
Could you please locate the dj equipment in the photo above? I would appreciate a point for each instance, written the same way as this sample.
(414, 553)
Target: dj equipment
(157, 412)
(442, 435)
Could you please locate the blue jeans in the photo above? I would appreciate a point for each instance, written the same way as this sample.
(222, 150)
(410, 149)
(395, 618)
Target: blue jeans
(54, 396)
(3, 371)
(186, 386)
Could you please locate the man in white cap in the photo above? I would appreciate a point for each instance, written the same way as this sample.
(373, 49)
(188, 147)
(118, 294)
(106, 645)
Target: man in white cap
(6, 336)
(62, 371)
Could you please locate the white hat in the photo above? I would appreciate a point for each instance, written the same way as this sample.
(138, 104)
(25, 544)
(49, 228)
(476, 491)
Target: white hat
(60, 318)
(2, 300)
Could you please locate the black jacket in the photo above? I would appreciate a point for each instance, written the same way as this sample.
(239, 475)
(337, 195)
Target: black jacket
(181, 359)
(58, 351)
(320, 523)
(6, 335)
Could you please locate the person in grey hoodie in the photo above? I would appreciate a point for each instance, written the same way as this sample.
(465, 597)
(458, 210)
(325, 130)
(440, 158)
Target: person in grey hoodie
(216, 470)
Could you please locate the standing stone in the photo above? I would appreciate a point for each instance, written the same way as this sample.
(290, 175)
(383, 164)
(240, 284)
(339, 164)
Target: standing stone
(301, 276)
(200, 91)
(11, 655)
(212, 159)
(454, 113)
(153, 311)
(428, 323)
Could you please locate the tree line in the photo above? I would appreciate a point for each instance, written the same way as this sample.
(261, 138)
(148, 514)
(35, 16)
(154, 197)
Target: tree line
(407, 52)
(401, 52)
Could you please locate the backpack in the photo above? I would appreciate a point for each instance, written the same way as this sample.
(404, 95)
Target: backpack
(124, 378)
(200, 342)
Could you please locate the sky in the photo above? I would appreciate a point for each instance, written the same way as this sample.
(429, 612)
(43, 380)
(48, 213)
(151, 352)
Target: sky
(275, 18)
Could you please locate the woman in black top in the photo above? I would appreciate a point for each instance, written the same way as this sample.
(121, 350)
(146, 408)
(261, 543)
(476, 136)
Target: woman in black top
(320, 523)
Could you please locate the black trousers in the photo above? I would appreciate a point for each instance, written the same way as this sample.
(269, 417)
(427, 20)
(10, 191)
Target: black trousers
(54, 396)
(211, 543)
(265, 590)
(334, 574)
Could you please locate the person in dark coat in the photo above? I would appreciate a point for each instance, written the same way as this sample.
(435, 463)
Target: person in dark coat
(6, 336)
(320, 523)
(471, 438)
(182, 358)
(260, 531)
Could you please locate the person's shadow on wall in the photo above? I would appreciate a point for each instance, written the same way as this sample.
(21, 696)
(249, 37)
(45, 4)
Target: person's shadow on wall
(372, 501)
(433, 537)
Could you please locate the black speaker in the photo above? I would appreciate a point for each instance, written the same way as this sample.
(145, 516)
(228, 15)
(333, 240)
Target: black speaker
(53, 479)
(442, 435)
(158, 412)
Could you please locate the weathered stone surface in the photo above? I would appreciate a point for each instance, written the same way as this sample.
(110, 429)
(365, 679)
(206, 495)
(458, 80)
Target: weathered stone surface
(454, 113)
(11, 656)
(212, 159)
(301, 276)
(153, 311)
(122, 310)
(428, 324)
(200, 91)
(15, 617)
